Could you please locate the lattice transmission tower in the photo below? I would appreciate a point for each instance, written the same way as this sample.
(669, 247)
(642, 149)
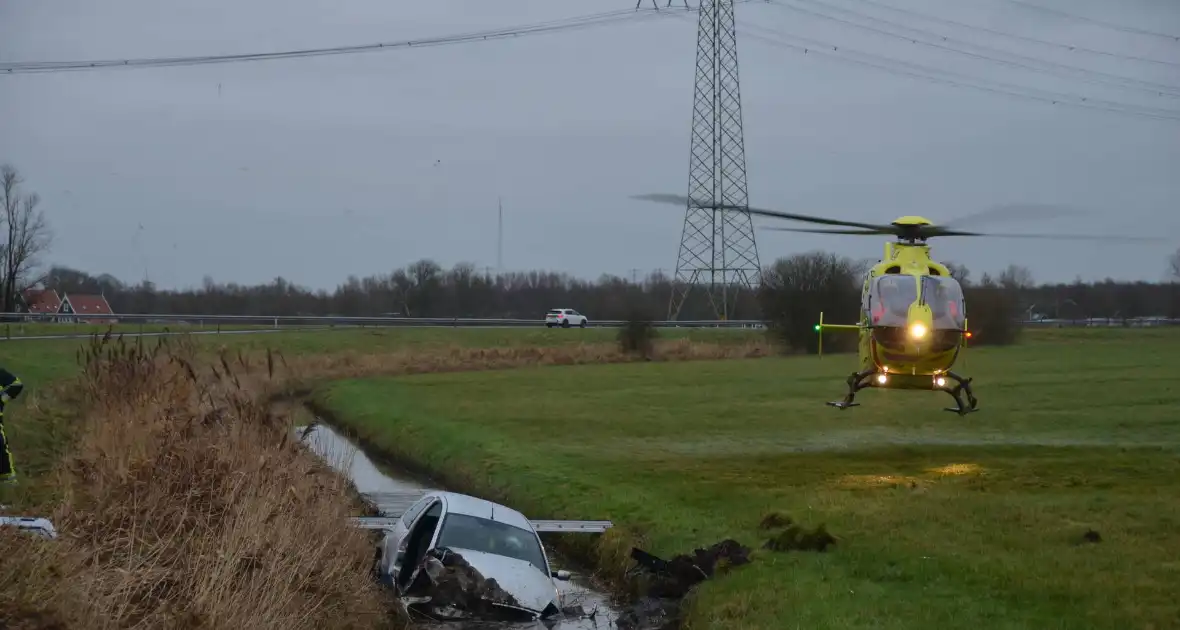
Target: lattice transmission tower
(717, 248)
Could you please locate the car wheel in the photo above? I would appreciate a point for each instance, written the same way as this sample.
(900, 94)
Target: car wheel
(565, 324)
(548, 325)
(583, 324)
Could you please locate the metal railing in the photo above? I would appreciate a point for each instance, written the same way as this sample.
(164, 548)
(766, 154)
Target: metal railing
(11, 324)
(329, 321)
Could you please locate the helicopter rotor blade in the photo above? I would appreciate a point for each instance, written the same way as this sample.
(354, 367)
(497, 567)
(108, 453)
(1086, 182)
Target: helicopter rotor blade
(682, 201)
(1058, 237)
(1006, 212)
(823, 231)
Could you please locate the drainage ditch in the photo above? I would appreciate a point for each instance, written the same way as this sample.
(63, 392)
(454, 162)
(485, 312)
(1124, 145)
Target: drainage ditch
(390, 494)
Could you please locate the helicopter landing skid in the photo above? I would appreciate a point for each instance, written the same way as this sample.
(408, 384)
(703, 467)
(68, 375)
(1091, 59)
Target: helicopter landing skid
(962, 386)
(860, 380)
(856, 382)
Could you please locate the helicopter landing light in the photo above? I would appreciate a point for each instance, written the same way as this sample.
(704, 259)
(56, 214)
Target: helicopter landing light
(881, 378)
(918, 330)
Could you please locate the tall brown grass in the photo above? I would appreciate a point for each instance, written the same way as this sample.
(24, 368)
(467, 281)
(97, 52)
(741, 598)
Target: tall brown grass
(187, 502)
(307, 371)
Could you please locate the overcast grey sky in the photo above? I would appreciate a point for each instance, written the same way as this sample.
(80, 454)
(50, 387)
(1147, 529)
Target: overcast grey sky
(317, 168)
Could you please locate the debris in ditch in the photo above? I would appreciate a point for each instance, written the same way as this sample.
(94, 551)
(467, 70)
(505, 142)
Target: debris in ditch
(796, 538)
(576, 610)
(673, 578)
(650, 613)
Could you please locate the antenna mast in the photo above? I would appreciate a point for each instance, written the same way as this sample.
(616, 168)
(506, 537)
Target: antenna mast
(500, 236)
(717, 247)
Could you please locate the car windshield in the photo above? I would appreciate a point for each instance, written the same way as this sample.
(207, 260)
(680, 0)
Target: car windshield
(891, 299)
(945, 297)
(555, 311)
(481, 534)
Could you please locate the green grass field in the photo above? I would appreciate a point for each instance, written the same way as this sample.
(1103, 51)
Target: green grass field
(45, 360)
(943, 521)
(38, 438)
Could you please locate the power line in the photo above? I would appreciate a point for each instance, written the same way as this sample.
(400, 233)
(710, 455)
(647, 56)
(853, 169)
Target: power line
(1157, 89)
(921, 72)
(1024, 38)
(566, 24)
(1090, 20)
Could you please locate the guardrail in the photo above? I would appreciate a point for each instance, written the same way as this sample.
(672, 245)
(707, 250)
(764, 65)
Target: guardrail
(154, 324)
(321, 321)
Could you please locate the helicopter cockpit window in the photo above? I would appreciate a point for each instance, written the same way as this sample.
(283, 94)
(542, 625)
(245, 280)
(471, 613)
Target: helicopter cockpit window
(945, 297)
(891, 299)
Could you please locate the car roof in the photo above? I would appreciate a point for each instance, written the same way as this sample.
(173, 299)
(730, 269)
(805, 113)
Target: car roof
(482, 508)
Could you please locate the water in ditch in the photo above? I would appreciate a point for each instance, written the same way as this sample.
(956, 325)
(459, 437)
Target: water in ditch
(391, 495)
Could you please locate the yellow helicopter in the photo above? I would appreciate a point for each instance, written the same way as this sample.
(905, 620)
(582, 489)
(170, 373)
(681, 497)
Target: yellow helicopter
(913, 315)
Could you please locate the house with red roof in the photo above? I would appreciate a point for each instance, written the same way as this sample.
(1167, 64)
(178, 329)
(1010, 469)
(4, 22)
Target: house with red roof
(39, 302)
(87, 309)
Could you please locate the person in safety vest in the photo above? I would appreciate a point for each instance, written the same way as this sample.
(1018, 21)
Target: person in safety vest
(10, 387)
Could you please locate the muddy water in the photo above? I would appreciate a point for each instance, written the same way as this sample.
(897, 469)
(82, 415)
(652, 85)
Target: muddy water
(391, 495)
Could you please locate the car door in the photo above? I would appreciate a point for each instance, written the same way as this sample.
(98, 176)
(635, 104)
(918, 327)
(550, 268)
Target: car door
(418, 541)
(395, 542)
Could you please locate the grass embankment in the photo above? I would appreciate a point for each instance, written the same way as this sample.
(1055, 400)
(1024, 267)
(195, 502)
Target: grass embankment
(40, 424)
(182, 502)
(943, 521)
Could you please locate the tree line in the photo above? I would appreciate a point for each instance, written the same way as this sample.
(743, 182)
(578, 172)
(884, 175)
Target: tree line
(796, 286)
(425, 289)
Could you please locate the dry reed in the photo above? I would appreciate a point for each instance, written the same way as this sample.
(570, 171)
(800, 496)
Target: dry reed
(187, 504)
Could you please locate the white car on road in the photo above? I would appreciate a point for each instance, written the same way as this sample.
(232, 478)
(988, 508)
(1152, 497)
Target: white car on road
(565, 317)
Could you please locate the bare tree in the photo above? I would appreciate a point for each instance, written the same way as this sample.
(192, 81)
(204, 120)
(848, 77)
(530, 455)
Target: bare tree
(960, 273)
(26, 236)
(1174, 266)
(1016, 277)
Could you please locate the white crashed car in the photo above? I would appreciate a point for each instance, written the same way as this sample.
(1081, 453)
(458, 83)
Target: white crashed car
(495, 540)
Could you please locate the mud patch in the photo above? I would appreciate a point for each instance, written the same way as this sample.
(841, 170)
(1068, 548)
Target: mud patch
(664, 583)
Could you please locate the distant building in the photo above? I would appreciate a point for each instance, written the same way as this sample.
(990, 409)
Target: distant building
(42, 302)
(87, 309)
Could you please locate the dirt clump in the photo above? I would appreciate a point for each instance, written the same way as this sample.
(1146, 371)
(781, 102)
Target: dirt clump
(775, 520)
(796, 538)
(674, 578)
(666, 582)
